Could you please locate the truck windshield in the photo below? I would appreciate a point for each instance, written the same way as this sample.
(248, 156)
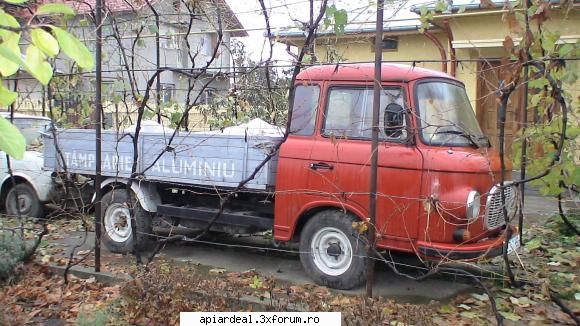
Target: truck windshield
(446, 117)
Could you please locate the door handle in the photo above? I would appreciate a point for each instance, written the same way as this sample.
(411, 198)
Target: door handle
(321, 166)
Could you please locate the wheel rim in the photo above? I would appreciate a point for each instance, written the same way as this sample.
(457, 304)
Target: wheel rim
(331, 251)
(118, 222)
(22, 205)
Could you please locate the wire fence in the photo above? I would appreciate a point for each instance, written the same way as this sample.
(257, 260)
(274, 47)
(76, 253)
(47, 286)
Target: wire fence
(142, 93)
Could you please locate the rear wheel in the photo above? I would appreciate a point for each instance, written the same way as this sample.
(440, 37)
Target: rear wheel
(117, 224)
(331, 251)
(22, 200)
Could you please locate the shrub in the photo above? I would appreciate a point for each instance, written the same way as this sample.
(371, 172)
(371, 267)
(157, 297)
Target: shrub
(12, 252)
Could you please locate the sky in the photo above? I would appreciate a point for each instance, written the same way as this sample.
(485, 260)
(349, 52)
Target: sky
(283, 14)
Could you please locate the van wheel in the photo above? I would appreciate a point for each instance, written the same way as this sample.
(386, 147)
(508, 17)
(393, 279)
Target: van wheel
(331, 252)
(22, 200)
(116, 222)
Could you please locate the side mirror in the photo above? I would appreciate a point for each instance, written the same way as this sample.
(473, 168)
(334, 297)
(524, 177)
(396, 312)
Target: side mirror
(394, 120)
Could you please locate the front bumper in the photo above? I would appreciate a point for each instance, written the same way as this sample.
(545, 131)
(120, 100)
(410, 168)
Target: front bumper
(469, 251)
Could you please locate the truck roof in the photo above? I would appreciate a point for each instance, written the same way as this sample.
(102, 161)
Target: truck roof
(366, 72)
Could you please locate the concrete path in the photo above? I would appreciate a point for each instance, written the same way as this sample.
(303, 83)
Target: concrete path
(241, 254)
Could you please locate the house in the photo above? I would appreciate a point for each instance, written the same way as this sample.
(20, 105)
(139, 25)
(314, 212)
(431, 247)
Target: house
(186, 43)
(464, 40)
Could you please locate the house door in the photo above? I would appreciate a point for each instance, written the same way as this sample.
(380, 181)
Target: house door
(490, 75)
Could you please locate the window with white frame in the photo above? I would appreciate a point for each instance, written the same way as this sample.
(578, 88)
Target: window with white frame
(167, 92)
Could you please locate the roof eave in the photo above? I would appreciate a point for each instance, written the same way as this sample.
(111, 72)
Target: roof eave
(391, 30)
(234, 22)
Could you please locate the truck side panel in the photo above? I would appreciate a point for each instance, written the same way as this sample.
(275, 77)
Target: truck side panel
(196, 159)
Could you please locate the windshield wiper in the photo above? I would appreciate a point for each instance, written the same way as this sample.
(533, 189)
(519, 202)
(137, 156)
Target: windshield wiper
(484, 139)
(460, 133)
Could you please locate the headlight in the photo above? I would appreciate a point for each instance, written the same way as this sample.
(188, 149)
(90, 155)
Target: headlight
(473, 205)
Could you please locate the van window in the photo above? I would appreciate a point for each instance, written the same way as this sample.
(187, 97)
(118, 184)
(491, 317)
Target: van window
(304, 110)
(349, 113)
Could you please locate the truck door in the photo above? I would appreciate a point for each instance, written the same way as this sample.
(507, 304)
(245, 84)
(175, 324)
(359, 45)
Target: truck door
(294, 159)
(340, 159)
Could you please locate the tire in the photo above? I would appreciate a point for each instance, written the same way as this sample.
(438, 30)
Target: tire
(28, 203)
(342, 265)
(117, 234)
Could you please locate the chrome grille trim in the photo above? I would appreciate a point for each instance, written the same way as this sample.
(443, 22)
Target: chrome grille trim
(493, 208)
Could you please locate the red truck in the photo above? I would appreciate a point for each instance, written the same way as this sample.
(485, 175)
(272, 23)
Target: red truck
(438, 179)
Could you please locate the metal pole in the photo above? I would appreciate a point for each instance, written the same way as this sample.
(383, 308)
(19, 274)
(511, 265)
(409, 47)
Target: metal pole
(312, 54)
(158, 66)
(99, 117)
(374, 148)
(525, 121)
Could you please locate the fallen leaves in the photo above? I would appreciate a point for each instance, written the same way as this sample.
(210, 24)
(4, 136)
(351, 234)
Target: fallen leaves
(173, 286)
(40, 295)
(510, 316)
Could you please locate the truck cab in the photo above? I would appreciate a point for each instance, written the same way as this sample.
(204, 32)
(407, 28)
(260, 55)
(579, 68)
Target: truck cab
(439, 193)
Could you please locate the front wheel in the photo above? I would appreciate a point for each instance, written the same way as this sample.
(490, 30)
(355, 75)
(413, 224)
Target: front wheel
(117, 223)
(21, 200)
(331, 251)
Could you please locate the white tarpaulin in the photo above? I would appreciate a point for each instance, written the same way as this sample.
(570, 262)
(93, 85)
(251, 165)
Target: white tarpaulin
(256, 127)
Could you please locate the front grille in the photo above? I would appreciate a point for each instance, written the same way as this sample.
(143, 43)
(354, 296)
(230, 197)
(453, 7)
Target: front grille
(493, 208)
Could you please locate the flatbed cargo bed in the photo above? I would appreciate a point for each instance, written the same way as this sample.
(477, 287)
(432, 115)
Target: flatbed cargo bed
(203, 159)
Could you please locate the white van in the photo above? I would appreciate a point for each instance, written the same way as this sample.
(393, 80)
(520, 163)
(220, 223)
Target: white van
(32, 186)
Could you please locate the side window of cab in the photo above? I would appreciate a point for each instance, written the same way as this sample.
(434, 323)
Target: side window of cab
(304, 110)
(349, 113)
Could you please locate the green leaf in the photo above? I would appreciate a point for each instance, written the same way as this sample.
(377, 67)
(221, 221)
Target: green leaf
(570, 77)
(326, 22)
(153, 29)
(440, 6)
(45, 42)
(72, 47)
(330, 10)
(565, 49)
(506, 290)
(10, 59)
(469, 314)
(15, 2)
(175, 117)
(533, 244)
(510, 316)
(549, 41)
(446, 309)
(55, 8)
(7, 96)
(7, 20)
(37, 66)
(12, 141)
(536, 98)
(340, 21)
